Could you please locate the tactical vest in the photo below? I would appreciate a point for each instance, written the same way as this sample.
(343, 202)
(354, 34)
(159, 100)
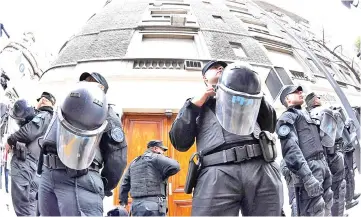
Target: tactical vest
(308, 135)
(211, 135)
(145, 179)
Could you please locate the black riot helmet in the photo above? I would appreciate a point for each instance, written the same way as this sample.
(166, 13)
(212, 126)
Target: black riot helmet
(22, 112)
(238, 98)
(81, 123)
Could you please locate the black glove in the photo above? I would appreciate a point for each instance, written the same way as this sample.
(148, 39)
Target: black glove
(11, 142)
(312, 186)
(108, 193)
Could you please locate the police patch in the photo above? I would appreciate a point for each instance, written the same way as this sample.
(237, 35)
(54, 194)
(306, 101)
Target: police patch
(117, 134)
(283, 131)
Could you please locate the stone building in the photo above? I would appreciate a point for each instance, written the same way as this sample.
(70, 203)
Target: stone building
(152, 53)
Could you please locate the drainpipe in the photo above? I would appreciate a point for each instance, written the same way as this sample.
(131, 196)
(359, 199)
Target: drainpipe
(323, 69)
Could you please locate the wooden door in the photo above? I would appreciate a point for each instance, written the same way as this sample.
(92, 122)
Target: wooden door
(139, 129)
(179, 203)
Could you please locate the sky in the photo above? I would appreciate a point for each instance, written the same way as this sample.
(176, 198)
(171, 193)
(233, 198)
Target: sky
(55, 21)
(342, 25)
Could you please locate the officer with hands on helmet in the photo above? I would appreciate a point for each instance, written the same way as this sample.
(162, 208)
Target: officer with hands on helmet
(330, 127)
(236, 151)
(303, 154)
(146, 179)
(26, 150)
(82, 138)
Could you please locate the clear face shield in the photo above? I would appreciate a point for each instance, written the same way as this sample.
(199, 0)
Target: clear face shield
(328, 129)
(76, 147)
(340, 126)
(237, 112)
(13, 125)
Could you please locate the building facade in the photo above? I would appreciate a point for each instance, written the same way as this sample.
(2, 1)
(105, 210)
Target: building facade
(152, 53)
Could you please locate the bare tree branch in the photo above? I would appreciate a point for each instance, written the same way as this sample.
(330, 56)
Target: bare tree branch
(341, 59)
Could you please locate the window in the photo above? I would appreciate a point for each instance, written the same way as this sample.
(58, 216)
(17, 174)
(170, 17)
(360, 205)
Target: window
(258, 28)
(241, 14)
(284, 76)
(167, 45)
(218, 19)
(236, 7)
(238, 2)
(238, 50)
(279, 58)
(254, 22)
(173, 11)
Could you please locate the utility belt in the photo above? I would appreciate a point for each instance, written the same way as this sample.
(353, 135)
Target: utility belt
(317, 156)
(52, 161)
(160, 200)
(266, 148)
(21, 152)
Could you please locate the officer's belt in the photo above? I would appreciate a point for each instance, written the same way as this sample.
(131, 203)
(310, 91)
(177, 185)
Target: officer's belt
(232, 155)
(53, 162)
(318, 156)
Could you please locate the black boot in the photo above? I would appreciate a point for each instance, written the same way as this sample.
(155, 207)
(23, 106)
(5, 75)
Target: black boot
(356, 196)
(351, 204)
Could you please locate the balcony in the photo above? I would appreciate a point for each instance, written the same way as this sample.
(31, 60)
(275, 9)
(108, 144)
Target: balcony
(172, 64)
(299, 75)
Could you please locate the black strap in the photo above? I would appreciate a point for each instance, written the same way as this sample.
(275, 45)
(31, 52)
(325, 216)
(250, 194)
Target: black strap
(317, 156)
(232, 155)
(53, 162)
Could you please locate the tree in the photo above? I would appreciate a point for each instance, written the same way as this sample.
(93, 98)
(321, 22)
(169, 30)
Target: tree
(358, 44)
(323, 44)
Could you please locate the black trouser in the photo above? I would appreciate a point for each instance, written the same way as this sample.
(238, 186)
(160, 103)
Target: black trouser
(252, 186)
(337, 168)
(318, 205)
(349, 176)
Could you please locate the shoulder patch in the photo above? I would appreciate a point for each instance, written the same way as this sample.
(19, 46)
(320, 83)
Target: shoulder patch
(284, 130)
(117, 134)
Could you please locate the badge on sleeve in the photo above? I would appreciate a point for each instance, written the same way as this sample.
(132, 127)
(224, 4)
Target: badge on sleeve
(283, 131)
(117, 134)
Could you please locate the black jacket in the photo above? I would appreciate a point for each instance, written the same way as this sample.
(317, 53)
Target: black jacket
(33, 129)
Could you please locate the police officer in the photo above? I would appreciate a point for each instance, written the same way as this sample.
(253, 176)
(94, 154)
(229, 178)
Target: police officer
(330, 127)
(81, 139)
(303, 154)
(26, 150)
(146, 179)
(348, 150)
(236, 151)
(291, 188)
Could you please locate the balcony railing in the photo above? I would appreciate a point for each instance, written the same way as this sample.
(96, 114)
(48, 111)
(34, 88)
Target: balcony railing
(173, 64)
(299, 75)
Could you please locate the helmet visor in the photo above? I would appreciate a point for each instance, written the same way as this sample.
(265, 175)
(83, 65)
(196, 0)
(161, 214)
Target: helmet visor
(237, 112)
(76, 147)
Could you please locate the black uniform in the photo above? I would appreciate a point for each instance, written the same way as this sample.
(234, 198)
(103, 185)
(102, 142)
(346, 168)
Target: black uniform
(348, 150)
(226, 185)
(23, 185)
(303, 154)
(146, 179)
(92, 186)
